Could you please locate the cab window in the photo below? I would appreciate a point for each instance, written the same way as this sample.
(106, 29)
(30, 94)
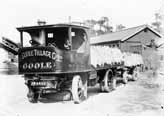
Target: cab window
(58, 37)
(33, 37)
(79, 38)
(38, 37)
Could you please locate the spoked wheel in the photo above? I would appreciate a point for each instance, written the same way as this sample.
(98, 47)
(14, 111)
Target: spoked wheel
(79, 89)
(32, 96)
(125, 77)
(105, 84)
(135, 74)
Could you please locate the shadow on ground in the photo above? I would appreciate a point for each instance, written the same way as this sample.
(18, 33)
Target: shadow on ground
(65, 96)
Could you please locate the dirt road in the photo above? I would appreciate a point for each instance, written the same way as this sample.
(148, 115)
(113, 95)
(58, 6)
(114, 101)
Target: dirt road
(140, 98)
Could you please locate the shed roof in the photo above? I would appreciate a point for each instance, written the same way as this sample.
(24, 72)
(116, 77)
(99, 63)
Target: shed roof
(121, 35)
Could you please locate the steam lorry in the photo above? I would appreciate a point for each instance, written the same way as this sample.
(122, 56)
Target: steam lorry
(59, 57)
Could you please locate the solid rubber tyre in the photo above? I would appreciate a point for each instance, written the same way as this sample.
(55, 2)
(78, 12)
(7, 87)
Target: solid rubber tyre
(135, 74)
(105, 83)
(125, 77)
(79, 90)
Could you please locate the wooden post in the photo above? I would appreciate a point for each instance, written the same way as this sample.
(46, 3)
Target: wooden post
(70, 35)
(119, 45)
(21, 38)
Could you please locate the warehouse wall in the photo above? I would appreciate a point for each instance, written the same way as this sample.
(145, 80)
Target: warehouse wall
(135, 43)
(110, 44)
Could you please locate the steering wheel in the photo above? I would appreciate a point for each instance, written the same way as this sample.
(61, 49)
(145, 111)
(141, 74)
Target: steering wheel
(52, 44)
(33, 42)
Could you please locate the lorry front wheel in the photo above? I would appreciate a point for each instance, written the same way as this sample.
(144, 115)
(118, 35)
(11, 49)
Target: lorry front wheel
(32, 96)
(79, 89)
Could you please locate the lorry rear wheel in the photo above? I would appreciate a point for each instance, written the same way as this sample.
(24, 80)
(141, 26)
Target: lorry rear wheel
(125, 77)
(135, 74)
(79, 89)
(107, 81)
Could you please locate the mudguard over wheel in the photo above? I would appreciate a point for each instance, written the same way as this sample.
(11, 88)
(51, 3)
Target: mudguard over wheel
(79, 89)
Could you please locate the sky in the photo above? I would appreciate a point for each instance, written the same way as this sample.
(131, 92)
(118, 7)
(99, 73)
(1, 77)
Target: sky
(17, 13)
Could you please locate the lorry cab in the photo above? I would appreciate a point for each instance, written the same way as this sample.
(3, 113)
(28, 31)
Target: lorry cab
(58, 48)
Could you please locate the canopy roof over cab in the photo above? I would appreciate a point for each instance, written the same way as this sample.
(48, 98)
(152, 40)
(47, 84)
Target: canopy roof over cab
(26, 28)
